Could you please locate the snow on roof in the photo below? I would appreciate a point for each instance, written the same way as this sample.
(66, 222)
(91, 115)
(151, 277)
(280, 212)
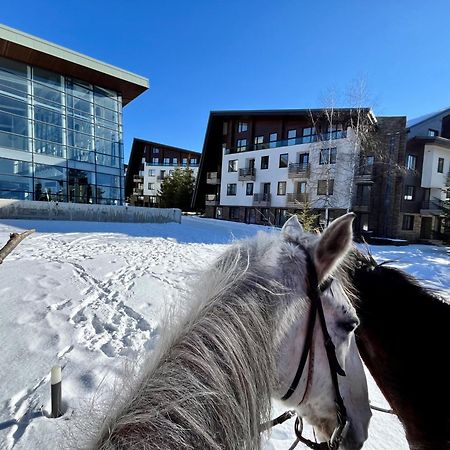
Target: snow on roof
(417, 120)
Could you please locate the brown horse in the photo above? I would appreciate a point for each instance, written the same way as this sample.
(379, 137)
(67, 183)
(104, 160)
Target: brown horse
(404, 339)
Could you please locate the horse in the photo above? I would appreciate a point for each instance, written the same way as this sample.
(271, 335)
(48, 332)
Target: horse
(403, 340)
(210, 383)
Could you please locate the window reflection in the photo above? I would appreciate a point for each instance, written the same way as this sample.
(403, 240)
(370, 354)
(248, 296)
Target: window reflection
(46, 113)
(81, 186)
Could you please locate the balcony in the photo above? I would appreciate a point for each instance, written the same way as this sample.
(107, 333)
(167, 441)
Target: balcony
(138, 179)
(247, 174)
(261, 199)
(364, 176)
(299, 199)
(298, 170)
(160, 178)
(212, 178)
(211, 200)
(434, 206)
(137, 191)
(339, 134)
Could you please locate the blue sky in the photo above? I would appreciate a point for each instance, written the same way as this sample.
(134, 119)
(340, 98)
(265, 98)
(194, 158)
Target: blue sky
(203, 55)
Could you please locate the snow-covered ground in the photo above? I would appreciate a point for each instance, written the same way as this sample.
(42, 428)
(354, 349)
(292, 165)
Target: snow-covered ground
(90, 297)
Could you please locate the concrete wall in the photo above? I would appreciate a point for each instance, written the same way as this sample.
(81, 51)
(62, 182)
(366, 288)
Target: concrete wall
(26, 209)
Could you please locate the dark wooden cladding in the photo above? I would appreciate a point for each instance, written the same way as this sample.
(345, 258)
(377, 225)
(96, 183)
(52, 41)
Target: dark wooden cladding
(143, 149)
(128, 90)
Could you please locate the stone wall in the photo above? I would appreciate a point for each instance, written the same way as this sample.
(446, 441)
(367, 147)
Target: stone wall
(26, 209)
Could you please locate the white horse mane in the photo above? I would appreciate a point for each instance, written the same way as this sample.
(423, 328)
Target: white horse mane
(210, 384)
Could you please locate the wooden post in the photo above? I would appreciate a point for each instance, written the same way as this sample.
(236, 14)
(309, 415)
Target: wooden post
(14, 240)
(56, 381)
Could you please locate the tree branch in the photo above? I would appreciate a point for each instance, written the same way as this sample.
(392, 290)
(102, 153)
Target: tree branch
(14, 241)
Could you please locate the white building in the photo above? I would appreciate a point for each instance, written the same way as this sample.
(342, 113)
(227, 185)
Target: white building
(261, 166)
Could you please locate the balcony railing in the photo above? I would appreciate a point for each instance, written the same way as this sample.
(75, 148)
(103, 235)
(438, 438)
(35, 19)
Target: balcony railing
(298, 170)
(299, 198)
(211, 199)
(180, 165)
(261, 199)
(212, 177)
(434, 204)
(341, 134)
(247, 174)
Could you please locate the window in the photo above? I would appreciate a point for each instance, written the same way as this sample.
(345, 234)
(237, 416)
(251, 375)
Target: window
(335, 132)
(432, 133)
(194, 161)
(308, 134)
(174, 161)
(264, 162)
(328, 156)
(151, 186)
(411, 162)
(292, 134)
(441, 165)
(281, 190)
(241, 145)
(184, 161)
(242, 126)
(259, 140)
(166, 161)
(231, 189)
(408, 222)
(284, 158)
(325, 187)
(225, 128)
(363, 193)
(233, 165)
(155, 150)
(151, 173)
(249, 189)
(273, 138)
(301, 187)
(409, 193)
(234, 213)
(155, 160)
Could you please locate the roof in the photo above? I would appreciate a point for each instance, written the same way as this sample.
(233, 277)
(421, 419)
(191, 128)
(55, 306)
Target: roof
(420, 119)
(170, 147)
(37, 52)
(291, 112)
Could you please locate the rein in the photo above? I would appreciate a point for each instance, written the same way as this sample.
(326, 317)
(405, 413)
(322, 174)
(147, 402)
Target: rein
(316, 310)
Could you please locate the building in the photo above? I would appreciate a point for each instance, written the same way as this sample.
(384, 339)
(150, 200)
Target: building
(150, 162)
(61, 122)
(426, 180)
(261, 166)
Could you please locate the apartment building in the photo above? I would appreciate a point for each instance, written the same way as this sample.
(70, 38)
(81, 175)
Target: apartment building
(61, 122)
(261, 166)
(425, 184)
(150, 162)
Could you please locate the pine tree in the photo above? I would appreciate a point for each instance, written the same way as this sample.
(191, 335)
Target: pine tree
(307, 218)
(176, 190)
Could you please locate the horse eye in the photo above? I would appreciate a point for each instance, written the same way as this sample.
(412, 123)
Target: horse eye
(326, 284)
(348, 325)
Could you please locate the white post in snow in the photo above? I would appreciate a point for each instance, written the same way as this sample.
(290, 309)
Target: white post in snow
(56, 381)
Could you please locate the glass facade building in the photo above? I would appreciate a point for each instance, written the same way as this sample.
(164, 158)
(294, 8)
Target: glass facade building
(60, 138)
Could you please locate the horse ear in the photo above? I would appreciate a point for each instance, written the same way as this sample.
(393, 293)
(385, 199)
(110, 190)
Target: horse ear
(334, 243)
(292, 230)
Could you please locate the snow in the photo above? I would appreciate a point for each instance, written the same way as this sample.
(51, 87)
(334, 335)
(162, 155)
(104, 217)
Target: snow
(90, 297)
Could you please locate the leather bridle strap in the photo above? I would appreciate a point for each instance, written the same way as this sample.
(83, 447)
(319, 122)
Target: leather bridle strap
(313, 294)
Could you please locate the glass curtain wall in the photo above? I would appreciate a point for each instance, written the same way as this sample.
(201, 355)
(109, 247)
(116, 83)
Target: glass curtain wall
(75, 126)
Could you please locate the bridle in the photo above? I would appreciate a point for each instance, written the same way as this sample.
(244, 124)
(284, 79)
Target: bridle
(316, 310)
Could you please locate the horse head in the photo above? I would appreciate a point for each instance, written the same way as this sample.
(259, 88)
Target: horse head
(313, 394)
